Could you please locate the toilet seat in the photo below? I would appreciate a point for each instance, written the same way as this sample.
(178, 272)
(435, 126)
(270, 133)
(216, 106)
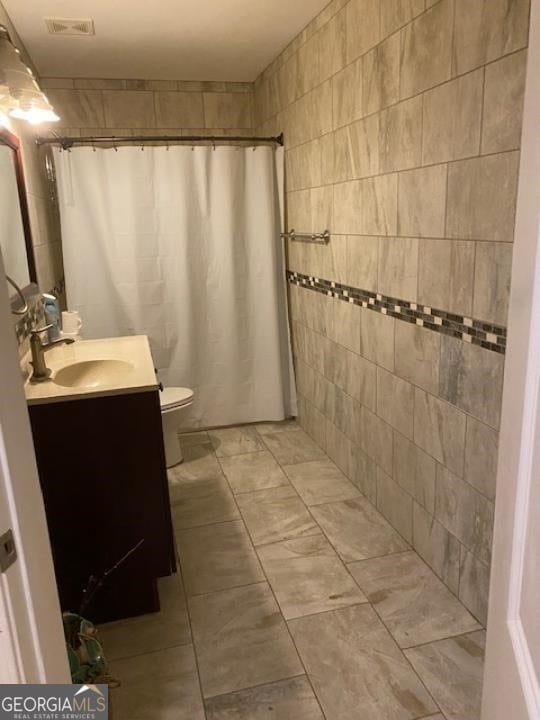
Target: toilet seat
(175, 397)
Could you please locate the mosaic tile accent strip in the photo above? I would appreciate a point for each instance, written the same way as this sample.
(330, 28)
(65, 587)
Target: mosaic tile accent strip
(35, 317)
(477, 332)
(59, 288)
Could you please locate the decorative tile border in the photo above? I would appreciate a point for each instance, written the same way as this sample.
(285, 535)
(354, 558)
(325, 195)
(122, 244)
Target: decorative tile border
(35, 317)
(486, 335)
(59, 288)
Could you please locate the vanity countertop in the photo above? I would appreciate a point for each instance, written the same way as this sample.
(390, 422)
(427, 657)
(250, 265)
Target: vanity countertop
(93, 368)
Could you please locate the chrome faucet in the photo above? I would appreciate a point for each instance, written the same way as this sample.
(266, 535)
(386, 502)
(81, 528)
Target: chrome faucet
(41, 371)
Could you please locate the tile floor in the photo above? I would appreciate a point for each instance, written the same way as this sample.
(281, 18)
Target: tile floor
(297, 600)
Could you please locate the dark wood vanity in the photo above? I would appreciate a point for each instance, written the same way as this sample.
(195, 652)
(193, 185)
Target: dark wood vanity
(102, 470)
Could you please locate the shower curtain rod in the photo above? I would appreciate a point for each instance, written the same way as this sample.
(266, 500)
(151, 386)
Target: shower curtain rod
(67, 142)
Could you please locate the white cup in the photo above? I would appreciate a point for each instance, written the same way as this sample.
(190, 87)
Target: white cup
(71, 322)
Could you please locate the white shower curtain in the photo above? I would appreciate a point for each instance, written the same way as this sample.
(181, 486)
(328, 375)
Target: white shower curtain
(182, 244)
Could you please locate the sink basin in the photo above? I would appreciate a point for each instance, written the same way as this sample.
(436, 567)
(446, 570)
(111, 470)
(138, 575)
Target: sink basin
(94, 368)
(93, 373)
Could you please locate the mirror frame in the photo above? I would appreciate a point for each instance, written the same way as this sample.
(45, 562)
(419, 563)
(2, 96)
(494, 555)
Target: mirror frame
(13, 142)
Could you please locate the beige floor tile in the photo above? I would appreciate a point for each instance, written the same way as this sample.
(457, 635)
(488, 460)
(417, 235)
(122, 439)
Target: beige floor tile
(241, 640)
(249, 666)
(285, 700)
(193, 438)
(201, 502)
(161, 685)
(216, 557)
(269, 428)
(357, 530)
(236, 440)
(413, 603)
(320, 481)
(452, 671)
(156, 631)
(308, 577)
(293, 447)
(356, 668)
(200, 463)
(275, 514)
(253, 471)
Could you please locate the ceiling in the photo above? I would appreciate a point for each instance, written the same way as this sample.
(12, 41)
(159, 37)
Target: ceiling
(161, 39)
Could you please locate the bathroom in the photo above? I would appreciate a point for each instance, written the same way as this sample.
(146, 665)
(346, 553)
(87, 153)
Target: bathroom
(277, 449)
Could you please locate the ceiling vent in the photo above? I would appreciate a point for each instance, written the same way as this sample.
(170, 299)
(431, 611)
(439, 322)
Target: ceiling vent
(70, 26)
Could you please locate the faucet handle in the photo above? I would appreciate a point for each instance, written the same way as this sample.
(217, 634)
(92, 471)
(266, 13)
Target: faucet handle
(37, 331)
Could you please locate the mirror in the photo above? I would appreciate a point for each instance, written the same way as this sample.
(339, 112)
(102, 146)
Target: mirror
(15, 238)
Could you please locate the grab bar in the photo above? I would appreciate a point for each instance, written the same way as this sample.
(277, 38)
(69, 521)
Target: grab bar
(321, 238)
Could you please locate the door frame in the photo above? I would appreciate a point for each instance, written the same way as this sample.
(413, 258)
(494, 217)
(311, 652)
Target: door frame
(31, 634)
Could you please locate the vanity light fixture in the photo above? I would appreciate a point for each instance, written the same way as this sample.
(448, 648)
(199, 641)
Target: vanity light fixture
(20, 95)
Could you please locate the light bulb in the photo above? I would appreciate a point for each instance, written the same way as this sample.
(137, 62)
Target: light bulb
(20, 94)
(34, 115)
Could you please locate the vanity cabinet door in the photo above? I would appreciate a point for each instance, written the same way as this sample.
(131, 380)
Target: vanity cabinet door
(102, 470)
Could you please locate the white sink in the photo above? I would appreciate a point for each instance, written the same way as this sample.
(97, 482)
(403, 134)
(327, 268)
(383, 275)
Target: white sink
(93, 373)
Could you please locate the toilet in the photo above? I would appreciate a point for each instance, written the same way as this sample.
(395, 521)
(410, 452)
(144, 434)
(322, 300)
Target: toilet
(173, 400)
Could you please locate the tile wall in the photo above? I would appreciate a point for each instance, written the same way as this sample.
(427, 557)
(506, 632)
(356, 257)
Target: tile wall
(402, 121)
(160, 107)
